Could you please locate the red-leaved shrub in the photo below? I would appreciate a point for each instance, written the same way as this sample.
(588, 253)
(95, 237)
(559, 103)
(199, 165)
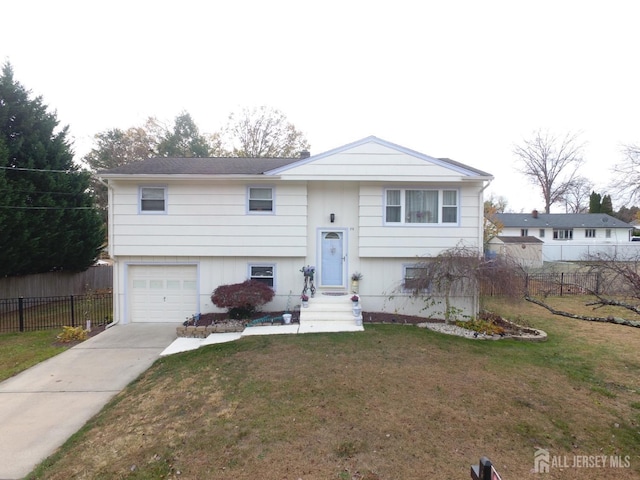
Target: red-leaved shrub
(242, 299)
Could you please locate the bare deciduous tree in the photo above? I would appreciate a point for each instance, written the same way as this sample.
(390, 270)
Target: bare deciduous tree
(627, 174)
(460, 271)
(576, 196)
(263, 132)
(551, 163)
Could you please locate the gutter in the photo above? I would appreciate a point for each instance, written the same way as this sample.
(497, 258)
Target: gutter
(110, 242)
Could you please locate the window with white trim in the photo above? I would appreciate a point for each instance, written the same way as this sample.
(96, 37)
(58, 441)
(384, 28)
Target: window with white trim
(524, 232)
(607, 233)
(563, 234)
(421, 206)
(541, 233)
(414, 277)
(260, 199)
(153, 199)
(263, 273)
(590, 233)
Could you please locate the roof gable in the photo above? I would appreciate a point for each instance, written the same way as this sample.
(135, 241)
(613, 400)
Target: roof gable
(373, 156)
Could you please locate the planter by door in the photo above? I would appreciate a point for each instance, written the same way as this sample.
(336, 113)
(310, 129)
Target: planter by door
(354, 286)
(287, 318)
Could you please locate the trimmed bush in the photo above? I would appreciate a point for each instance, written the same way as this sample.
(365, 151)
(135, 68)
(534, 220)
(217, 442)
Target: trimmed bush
(242, 299)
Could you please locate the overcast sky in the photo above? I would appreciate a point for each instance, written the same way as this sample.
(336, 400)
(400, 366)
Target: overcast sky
(460, 79)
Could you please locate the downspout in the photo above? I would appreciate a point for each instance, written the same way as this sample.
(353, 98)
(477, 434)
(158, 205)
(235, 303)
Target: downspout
(481, 235)
(110, 245)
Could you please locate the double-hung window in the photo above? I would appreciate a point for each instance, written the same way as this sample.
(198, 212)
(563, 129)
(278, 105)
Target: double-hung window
(421, 206)
(590, 233)
(524, 232)
(414, 278)
(153, 199)
(260, 199)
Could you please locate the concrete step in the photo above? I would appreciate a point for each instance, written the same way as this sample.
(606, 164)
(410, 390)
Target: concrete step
(329, 308)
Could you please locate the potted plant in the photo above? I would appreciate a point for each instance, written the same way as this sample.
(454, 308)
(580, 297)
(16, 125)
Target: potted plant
(355, 281)
(305, 300)
(355, 299)
(286, 316)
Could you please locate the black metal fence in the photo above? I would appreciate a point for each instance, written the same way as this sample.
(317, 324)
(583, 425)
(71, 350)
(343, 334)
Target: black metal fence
(554, 284)
(30, 314)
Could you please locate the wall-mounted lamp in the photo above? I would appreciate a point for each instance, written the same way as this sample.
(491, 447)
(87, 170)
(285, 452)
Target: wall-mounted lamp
(332, 217)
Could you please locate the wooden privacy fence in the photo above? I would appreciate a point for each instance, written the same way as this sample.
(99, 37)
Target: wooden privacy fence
(98, 278)
(554, 284)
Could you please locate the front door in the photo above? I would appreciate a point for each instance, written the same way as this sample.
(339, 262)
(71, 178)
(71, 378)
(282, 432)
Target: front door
(333, 258)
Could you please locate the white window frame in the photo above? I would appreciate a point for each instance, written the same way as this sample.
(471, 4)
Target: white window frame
(273, 200)
(542, 233)
(563, 234)
(402, 206)
(271, 266)
(143, 211)
(406, 267)
(607, 233)
(590, 233)
(524, 232)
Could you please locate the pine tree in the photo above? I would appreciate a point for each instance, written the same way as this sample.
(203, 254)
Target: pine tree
(595, 203)
(606, 206)
(48, 220)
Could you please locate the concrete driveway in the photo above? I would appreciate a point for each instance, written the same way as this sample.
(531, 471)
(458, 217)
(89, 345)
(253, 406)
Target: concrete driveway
(42, 407)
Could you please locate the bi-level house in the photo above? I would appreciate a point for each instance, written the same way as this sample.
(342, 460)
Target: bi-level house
(180, 227)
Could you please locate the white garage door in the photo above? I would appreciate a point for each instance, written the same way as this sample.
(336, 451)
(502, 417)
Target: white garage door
(162, 293)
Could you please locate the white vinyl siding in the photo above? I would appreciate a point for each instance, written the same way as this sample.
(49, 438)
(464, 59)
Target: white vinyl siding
(421, 206)
(153, 199)
(210, 219)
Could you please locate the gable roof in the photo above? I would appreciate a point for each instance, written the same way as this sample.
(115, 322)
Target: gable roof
(517, 240)
(443, 162)
(199, 166)
(560, 220)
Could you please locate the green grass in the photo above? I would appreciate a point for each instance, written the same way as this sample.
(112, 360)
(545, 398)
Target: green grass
(23, 350)
(392, 402)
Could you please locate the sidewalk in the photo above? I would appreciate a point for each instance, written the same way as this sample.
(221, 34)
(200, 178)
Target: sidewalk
(43, 406)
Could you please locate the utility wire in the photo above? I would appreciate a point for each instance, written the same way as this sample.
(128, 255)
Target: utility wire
(42, 170)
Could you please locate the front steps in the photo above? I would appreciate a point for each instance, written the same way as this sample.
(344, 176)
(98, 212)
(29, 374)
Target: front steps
(330, 313)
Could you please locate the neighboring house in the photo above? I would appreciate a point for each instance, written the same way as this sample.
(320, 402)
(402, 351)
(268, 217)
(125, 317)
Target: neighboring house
(527, 251)
(180, 227)
(568, 236)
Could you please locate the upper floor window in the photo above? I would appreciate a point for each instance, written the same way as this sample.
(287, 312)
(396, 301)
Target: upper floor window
(260, 199)
(153, 199)
(262, 273)
(413, 206)
(541, 233)
(563, 234)
(590, 233)
(524, 232)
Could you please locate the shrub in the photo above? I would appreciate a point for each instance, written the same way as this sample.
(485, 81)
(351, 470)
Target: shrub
(242, 299)
(72, 334)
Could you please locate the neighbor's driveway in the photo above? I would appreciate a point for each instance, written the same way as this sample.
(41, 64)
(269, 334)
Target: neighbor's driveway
(43, 406)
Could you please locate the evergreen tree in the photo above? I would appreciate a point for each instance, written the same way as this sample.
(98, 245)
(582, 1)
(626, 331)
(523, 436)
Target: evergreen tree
(606, 206)
(48, 220)
(595, 203)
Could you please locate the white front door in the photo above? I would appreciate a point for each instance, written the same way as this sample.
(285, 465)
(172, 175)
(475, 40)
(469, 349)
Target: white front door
(332, 258)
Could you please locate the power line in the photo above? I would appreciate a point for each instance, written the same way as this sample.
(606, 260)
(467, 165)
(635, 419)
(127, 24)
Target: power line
(46, 208)
(42, 170)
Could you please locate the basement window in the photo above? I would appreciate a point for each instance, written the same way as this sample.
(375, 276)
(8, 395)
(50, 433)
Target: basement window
(263, 273)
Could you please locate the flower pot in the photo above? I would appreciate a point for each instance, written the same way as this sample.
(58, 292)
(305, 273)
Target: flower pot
(287, 318)
(357, 310)
(305, 304)
(354, 286)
